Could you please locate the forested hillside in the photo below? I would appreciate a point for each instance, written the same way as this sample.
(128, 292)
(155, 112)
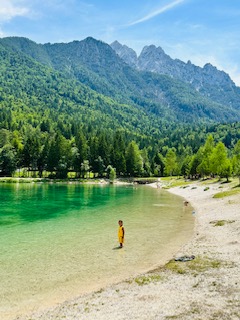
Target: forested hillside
(96, 65)
(63, 108)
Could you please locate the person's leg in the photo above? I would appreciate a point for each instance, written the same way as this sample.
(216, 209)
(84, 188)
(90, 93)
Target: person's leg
(120, 242)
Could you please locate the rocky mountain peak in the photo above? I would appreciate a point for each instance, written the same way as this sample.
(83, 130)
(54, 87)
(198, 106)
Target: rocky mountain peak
(154, 59)
(125, 53)
(152, 49)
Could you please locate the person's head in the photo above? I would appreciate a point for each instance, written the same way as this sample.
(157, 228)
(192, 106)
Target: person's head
(120, 222)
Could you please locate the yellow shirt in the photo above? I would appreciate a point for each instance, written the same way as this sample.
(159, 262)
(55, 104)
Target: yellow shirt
(120, 234)
(120, 231)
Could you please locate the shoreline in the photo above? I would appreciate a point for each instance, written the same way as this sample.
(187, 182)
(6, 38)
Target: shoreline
(205, 288)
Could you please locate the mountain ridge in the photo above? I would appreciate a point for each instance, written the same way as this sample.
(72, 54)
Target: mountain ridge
(124, 52)
(96, 65)
(206, 80)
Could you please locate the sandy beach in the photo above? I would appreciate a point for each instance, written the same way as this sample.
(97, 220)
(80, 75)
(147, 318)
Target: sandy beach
(206, 287)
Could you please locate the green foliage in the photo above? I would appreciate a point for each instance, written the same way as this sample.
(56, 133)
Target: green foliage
(8, 162)
(220, 164)
(111, 173)
(236, 160)
(83, 119)
(94, 64)
(171, 162)
(205, 159)
(134, 160)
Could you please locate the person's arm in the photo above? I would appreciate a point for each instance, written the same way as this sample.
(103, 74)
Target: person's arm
(123, 231)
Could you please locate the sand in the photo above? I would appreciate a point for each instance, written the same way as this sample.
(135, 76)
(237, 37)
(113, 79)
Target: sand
(207, 287)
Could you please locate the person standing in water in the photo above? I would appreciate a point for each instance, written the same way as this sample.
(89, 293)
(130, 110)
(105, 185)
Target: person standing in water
(121, 233)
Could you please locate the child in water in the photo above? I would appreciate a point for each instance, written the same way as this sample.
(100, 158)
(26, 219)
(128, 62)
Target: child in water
(120, 233)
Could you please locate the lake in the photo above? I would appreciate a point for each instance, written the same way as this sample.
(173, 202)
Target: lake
(59, 240)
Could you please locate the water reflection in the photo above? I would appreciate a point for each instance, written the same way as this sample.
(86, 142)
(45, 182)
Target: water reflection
(33, 202)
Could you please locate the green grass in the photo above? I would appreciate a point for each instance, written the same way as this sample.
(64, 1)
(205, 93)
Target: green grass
(227, 193)
(176, 267)
(210, 181)
(203, 264)
(198, 265)
(170, 182)
(220, 223)
(142, 280)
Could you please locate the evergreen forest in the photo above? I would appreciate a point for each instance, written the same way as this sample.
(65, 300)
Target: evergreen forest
(59, 120)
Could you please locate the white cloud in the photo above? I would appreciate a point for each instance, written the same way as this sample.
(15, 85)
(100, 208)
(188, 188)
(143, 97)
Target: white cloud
(157, 12)
(10, 9)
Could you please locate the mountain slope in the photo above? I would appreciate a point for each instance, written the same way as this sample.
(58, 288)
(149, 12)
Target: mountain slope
(32, 93)
(208, 81)
(96, 65)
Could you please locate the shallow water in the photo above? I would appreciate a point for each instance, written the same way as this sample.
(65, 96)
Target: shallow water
(59, 241)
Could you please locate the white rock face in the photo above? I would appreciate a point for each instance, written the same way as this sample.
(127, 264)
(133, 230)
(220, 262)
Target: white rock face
(205, 80)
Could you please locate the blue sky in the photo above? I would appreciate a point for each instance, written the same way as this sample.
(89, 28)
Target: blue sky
(201, 31)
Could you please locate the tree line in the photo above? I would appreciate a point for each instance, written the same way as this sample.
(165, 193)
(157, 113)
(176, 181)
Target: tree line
(53, 155)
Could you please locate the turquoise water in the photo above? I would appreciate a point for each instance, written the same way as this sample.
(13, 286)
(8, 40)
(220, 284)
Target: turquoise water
(59, 240)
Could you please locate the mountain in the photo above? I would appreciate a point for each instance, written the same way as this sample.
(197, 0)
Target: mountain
(209, 81)
(33, 95)
(78, 107)
(127, 54)
(161, 97)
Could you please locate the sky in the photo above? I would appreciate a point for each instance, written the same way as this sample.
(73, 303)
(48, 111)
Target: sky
(202, 31)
